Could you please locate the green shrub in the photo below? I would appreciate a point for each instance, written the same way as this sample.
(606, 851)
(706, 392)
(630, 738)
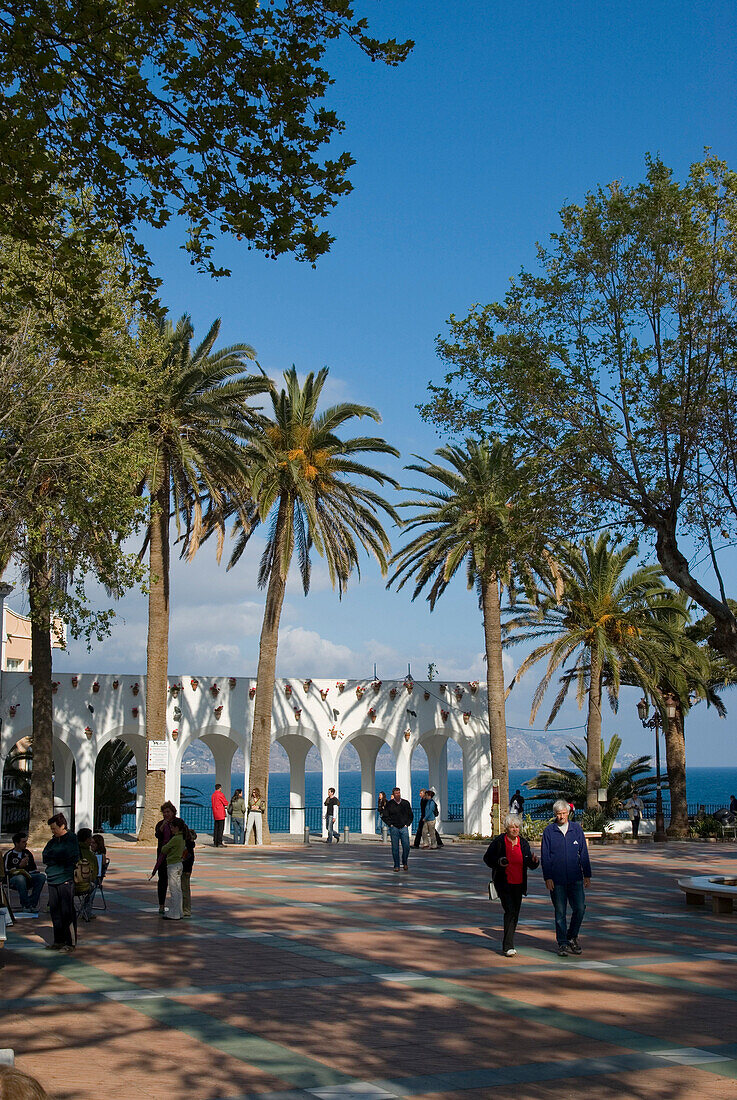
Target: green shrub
(708, 826)
(532, 828)
(594, 821)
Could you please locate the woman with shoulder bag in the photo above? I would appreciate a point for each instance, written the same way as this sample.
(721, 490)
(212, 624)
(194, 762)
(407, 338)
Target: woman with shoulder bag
(509, 855)
(237, 811)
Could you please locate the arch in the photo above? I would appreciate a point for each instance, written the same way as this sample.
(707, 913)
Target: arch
(64, 780)
(296, 748)
(112, 811)
(368, 743)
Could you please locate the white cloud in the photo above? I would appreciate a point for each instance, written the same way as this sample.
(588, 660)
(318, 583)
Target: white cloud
(304, 652)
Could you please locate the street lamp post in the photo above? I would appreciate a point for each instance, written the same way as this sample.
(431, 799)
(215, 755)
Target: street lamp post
(654, 724)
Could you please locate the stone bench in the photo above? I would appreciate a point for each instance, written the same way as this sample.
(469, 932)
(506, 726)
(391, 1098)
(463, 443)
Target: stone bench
(723, 891)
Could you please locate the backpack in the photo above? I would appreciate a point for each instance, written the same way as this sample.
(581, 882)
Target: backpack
(83, 877)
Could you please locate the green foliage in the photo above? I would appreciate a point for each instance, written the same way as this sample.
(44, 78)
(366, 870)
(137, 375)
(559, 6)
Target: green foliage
(115, 781)
(307, 479)
(533, 828)
(553, 782)
(174, 109)
(592, 605)
(615, 362)
(594, 821)
(485, 511)
(706, 827)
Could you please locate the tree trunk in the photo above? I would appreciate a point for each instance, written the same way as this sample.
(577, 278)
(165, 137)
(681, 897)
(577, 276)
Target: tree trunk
(42, 799)
(491, 606)
(593, 733)
(258, 773)
(157, 651)
(675, 755)
(676, 567)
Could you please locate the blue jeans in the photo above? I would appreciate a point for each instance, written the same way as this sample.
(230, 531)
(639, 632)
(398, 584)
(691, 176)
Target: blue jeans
(562, 895)
(21, 884)
(236, 830)
(330, 826)
(397, 833)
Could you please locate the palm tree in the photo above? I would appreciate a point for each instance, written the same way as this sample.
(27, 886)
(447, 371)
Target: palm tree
(115, 783)
(482, 514)
(571, 785)
(599, 616)
(197, 420)
(302, 477)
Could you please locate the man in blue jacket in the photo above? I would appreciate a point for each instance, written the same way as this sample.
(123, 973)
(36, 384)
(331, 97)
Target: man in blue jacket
(567, 870)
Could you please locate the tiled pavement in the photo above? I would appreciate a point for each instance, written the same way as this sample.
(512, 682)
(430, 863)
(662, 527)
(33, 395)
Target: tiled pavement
(319, 973)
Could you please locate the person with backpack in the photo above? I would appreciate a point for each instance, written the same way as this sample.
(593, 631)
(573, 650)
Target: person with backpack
(431, 812)
(85, 873)
(61, 855)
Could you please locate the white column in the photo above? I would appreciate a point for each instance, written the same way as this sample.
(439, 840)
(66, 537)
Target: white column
(404, 770)
(297, 749)
(84, 788)
(476, 786)
(223, 750)
(63, 784)
(368, 749)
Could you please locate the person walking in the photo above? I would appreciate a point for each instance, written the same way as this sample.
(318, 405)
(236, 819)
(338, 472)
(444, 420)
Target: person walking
(421, 822)
(331, 813)
(61, 856)
(172, 853)
(431, 812)
(256, 811)
(566, 870)
(237, 811)
(163, 834)
(398, 816)
(517, 804)
(22, 873)
(219, 805)
(635, 808)
(509, 855)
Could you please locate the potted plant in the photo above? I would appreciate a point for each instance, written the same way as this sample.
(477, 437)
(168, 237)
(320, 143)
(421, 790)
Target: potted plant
(288, 690)
(372, 714)
(96, 686)
(175, 689)
(231, 682)
(376, 685)
(134, 711)
(174, 734)
(298, 713)
(306, 685)
(459, 693)
(333, 731)
(135, 689)
(116, 685)
(88, 732)
(359, 691)
(444, 715)
(75, 681)
(340, 684)
(218, 711)
(252, 692)
(466, 716)
(214, 690)
(324, 693)
(194, 684)
(409, 684)
(407, 734)
(426, 695)
(392, 693)
(474, 686)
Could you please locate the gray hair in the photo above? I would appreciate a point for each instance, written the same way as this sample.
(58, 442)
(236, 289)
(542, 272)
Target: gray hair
(561, 804)
(513, 819)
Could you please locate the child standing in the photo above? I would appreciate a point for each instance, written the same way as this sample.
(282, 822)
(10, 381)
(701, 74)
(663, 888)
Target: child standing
(172, 852)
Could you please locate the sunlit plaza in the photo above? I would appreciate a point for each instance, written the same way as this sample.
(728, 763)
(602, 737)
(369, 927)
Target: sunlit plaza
(316, 972)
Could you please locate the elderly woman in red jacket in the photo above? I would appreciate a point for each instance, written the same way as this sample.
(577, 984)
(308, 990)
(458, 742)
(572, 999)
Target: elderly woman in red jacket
(509, 855)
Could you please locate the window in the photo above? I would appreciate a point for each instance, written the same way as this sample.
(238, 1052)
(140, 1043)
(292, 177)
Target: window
(15, 664)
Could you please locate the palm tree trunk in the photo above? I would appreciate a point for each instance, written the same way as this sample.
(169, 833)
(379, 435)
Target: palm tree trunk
(157, 652)
(491, 607)
(675, 755)
(593, 733)
(42, 800)
(258, 773)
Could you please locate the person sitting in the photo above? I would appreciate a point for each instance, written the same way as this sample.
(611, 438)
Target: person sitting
(22, 874)
(97, 846)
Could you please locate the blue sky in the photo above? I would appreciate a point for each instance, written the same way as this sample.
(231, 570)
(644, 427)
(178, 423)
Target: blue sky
(465, 154)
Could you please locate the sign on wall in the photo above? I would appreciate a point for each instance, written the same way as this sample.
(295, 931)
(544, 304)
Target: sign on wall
(158, 756)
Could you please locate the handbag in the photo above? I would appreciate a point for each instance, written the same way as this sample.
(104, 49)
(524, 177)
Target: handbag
(493, 896)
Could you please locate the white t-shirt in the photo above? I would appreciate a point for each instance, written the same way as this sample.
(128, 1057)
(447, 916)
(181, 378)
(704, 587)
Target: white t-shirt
(564, 828)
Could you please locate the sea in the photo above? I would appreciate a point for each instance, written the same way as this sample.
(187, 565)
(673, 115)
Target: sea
(708, 786)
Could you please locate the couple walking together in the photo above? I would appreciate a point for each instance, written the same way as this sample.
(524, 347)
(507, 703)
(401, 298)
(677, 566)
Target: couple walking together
(566, 868)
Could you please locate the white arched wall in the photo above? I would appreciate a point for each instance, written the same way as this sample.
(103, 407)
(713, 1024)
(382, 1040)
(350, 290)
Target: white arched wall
(297, 746)
(367, 744)
(220, 711)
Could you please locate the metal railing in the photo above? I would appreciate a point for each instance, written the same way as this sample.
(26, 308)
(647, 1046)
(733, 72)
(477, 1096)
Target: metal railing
(199, 817)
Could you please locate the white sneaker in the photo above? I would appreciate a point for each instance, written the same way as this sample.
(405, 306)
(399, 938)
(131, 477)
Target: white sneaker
(510, 952)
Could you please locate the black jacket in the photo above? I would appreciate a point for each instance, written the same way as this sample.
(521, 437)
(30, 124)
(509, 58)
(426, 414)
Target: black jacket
(497, 850)
(398, 813)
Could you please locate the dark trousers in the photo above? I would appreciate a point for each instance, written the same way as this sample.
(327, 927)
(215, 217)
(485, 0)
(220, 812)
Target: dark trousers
(563, 895)
(635, 825)
(217, 833)
(163, 884)
(511, 899)
(61, 910)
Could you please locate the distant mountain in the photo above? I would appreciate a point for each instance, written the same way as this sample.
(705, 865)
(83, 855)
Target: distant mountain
(526, 750)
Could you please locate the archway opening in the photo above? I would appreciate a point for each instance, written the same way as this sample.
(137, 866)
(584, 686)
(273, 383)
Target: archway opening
(16, 781)
(197, 784)
(420, 770)
(280, 777)
(115, 788)
(313, 791)
(349, 789)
